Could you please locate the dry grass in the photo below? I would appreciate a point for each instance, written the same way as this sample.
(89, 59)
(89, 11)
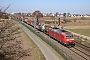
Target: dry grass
(85, 32)
(36, 54)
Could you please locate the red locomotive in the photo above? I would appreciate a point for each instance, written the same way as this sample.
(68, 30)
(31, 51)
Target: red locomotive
(65, 37)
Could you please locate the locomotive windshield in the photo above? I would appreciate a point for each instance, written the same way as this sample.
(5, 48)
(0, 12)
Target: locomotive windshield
(69, 36)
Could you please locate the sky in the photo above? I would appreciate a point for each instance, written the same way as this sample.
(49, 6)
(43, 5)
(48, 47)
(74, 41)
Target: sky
(47, 6)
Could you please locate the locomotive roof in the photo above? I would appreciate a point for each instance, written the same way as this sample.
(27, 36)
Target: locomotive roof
(60, 31)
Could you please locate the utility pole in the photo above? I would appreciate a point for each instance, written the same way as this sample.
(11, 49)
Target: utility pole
(58, 21)
(1, 9)
(22, 19)
(54, 21)
(35, 21)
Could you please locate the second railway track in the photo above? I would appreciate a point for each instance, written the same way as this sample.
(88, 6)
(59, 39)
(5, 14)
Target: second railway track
(81, 50)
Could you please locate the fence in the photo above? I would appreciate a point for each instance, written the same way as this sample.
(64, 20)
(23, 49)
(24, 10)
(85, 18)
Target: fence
(63, 54)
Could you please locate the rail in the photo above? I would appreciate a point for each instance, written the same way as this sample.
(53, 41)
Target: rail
(81, 50)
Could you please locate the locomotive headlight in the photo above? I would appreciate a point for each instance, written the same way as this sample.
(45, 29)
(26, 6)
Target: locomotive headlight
(67, 39)
(72, 39)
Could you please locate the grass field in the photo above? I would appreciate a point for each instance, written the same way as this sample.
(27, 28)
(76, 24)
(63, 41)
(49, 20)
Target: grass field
(85, 32)
(36, 53)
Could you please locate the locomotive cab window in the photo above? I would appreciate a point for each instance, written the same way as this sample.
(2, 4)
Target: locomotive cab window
(69, 36)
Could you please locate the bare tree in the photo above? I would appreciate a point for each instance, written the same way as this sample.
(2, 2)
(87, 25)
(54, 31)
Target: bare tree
(4, 15)
(64, 17)
(38, 14)
(10, 44)
(57, 13)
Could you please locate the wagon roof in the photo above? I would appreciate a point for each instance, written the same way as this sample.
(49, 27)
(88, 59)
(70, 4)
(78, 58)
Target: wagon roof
(60, 31)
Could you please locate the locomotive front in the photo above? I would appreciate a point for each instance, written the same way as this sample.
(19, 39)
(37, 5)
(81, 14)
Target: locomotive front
(69, 39)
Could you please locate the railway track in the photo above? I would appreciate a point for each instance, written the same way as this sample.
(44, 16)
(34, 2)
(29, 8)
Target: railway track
(82, 46)
(81, 50)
